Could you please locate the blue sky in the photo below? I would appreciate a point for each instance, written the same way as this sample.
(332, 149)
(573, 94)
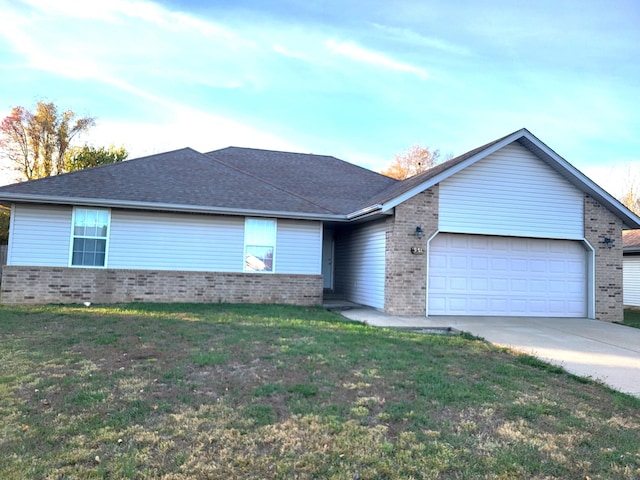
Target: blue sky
(357, 80)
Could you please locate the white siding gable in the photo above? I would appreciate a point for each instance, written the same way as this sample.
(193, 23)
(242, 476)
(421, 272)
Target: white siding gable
(511, 192)
(299, 247)
(40, 236)
(167, 241)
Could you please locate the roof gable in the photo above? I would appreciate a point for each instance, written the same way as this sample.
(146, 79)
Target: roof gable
(401, 192)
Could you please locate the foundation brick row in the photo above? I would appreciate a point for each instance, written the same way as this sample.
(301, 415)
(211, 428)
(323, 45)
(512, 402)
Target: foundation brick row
(39, 285)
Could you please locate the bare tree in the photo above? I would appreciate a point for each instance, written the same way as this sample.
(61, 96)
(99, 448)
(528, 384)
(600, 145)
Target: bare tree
(37, 141)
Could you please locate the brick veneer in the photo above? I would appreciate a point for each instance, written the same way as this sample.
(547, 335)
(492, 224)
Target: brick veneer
(37, 285)
(406, 273)
(598, 224)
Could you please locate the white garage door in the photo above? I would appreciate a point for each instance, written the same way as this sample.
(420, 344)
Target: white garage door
(506, 276)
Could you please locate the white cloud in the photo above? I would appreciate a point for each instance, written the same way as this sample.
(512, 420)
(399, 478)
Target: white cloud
(409, 36)
(360, 54)
(187, 128)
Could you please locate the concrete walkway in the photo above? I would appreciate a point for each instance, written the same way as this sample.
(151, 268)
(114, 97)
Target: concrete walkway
(588, 348)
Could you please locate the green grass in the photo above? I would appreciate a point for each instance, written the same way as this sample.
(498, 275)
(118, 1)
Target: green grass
(632, 317)
(249, 391)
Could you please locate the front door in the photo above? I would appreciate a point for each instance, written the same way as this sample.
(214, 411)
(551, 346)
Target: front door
(327, 259)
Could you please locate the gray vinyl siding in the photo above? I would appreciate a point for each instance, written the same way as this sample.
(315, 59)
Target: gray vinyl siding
(299, 247)
(40, 236)
(631, 280)
(166, 241)
(360, 264)
(511, 192)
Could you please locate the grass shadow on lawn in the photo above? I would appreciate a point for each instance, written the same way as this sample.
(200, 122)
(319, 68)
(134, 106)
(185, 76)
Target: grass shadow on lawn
(632, 317)
(230, 391)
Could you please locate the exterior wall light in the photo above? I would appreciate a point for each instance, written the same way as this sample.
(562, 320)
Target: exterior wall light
(608, 241)
(419, 232)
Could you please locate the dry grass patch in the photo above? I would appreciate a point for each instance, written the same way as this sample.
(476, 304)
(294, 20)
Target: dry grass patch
(221, 391)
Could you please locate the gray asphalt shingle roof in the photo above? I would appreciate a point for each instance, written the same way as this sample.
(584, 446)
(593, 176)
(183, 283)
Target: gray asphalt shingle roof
(182, 177)
(231, 178)
(328, 182)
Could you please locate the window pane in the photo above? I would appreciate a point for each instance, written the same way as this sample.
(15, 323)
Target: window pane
(89, 245)
(260, 240)
(259, 259)
(90, 251)
(87, 258)
(80, 221)
(91, 223)
(260, 232)
(77, 258)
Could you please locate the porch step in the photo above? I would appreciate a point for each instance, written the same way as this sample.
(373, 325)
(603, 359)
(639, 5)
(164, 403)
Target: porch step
(338, 304)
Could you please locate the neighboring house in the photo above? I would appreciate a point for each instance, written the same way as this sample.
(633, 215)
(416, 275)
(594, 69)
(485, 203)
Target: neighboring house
(631, 267)
(510, 228)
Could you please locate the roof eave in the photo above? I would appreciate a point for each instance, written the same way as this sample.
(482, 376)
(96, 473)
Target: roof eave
(168, 207)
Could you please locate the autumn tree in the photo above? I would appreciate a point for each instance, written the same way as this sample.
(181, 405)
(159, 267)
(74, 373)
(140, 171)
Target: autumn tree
(37, 141)
(631, 196)
(86, 156)
(413, 161)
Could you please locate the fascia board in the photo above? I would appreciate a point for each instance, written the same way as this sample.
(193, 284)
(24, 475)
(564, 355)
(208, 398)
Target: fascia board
(452, 171)
(167, 207)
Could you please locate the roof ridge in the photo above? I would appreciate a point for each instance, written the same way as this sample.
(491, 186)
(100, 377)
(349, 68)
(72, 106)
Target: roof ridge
(360, 167)
(212, 157)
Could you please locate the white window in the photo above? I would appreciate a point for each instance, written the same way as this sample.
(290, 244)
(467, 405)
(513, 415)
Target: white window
(89, 237)
(259, 245)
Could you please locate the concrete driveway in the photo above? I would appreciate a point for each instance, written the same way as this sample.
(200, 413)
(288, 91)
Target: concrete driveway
(589, 348)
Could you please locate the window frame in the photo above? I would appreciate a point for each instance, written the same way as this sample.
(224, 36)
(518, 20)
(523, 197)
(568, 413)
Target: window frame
(74, 236)
(247, 244)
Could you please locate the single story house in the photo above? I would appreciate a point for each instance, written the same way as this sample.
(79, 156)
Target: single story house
(631, 267)
(509, 228)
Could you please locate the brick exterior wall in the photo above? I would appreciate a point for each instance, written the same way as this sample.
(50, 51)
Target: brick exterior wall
(598, 224)
(406, 273)
(38, 285)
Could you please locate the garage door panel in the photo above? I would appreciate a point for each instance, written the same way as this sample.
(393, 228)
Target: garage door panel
(499, 264)
(518, 285)
(484, 275)
(518, 265)
(438, 284)
(499, 284)
(458, 262)
(479, 285)
(538, 287)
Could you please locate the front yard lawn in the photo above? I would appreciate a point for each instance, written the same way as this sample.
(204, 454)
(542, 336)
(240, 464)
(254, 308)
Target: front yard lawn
(247, 391)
